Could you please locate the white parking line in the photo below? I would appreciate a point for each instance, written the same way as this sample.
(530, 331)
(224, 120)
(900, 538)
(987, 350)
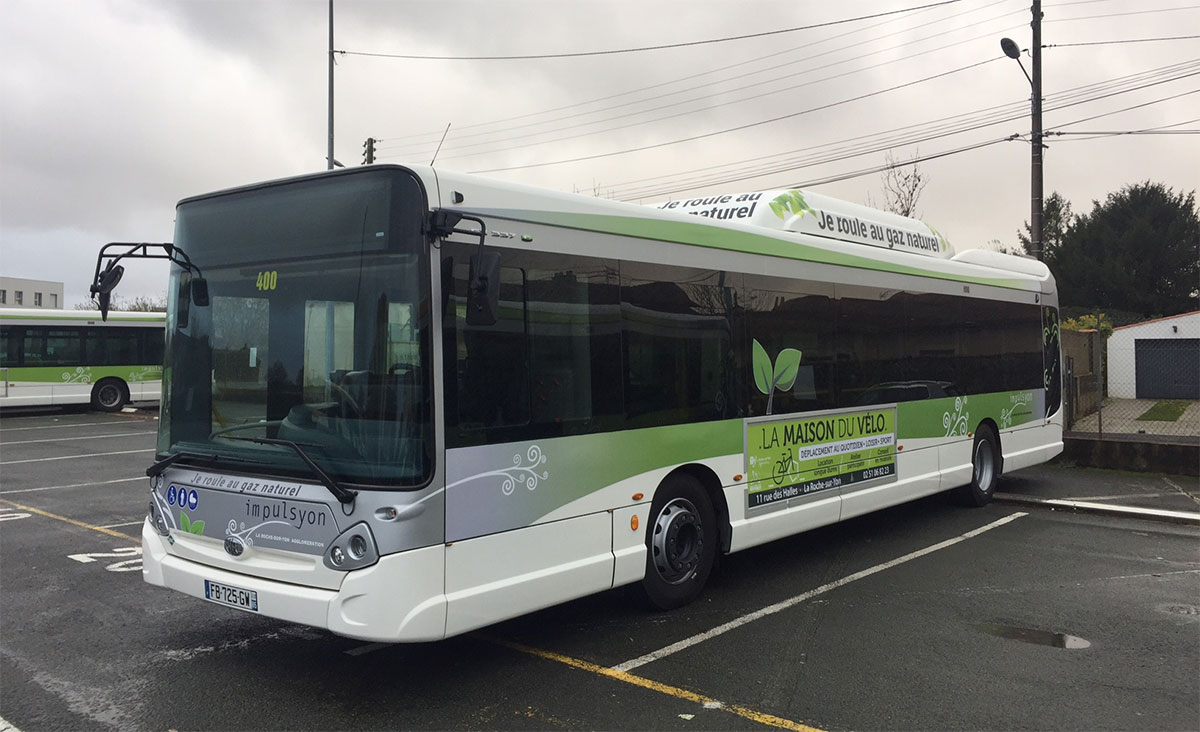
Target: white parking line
(7, 726)
(73, 485)
(1118, 497)
(88, 437)
(127, 523)
(784, 605)
(57, 426)
(74, 457)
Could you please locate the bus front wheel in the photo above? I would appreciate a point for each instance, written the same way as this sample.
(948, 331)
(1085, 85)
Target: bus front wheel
(109, 395)
(985, 468)
(681, 543)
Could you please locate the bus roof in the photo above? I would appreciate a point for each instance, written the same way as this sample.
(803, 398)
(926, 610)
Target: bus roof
(79, 316)
(788, 223)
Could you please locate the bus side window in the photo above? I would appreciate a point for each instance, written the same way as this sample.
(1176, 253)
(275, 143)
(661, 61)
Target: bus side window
(491, 368)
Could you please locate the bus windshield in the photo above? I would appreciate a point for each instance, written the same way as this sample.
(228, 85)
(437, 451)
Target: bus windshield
(317, 330)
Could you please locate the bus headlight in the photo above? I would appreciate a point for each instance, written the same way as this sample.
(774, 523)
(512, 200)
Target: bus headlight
(156, 519)
(353, 549)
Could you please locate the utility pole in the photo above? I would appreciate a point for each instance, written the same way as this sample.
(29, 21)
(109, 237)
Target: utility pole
(369, 151)
(329, 152)
(1036, 142)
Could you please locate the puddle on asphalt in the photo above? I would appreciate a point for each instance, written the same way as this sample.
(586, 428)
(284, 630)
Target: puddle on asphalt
(1038, 637)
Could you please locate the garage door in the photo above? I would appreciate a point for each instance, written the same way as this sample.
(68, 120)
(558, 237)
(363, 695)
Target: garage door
(1168, 368)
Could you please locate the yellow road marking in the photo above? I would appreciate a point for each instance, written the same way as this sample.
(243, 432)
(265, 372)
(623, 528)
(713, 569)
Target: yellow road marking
(767, 719)
(72, 521)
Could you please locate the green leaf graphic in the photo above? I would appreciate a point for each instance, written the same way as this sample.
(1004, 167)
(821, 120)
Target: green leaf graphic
(762, 368)
(198, 527)
(787, 366)
(790, 202)
(184, 522)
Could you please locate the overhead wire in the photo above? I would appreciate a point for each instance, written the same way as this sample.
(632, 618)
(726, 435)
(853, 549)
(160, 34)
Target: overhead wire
(1117, 42)
(924, 131)
(660, 47)
(859, 148)
(738, 128)
(418, 148)
(706, 72)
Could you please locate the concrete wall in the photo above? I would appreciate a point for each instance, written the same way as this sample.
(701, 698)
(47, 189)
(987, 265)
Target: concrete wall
(18, 292)
(1122, 371)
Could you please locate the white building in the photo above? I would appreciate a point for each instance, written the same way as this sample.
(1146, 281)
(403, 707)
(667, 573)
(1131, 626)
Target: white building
(1157, 359)
(17, 292)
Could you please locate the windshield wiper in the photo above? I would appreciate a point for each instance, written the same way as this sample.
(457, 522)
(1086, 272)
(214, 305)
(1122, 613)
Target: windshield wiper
(344, 495)
(158, 467)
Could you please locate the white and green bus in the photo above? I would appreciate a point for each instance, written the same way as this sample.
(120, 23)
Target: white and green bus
(401, 403)
(57, 357)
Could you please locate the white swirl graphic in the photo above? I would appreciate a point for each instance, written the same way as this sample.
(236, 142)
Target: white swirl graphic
(81, 375)
(956, 424)
(523, 472)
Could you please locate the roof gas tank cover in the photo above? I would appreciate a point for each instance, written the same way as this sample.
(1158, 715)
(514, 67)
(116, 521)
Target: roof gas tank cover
(812, 213)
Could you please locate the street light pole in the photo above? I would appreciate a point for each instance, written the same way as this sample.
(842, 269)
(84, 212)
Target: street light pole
(1011, 50)
(1036, 223)
(329, 150)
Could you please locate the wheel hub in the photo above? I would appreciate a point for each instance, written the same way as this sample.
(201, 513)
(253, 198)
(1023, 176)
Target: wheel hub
(678, 541)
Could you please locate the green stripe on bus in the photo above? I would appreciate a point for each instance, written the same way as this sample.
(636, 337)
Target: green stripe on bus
(699, 234)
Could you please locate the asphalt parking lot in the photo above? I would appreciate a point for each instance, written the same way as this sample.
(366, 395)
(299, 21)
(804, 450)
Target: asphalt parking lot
(926, 616)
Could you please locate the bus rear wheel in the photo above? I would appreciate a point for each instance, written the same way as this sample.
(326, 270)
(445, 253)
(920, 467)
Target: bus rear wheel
(681, 543)
(109, 395)
(985, 468)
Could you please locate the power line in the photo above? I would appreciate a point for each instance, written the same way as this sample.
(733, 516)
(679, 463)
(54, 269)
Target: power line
(881, 168)
(740, 127)
(701, 98)
(740, 100)
(705, 74)
(1127, 40)
(870, 144)
(1160, 130)
(685, 44)
(1118, 15)
(913, 134)
(1127, 109)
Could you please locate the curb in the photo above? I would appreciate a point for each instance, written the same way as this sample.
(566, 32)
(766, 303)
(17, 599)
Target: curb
(1154, 514)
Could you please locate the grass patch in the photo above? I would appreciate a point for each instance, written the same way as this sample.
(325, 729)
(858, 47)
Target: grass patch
(1165, 411)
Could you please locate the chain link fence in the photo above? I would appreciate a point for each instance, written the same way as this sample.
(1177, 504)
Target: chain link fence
(1137, 379)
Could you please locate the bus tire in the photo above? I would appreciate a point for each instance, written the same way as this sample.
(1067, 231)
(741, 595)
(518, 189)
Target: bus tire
(109, 395)
(985, 468)
(681, 543)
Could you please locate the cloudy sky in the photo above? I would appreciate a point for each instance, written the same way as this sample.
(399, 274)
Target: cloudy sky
(113, 110)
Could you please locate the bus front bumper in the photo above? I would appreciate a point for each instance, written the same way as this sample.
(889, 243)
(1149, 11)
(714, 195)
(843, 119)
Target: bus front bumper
(399, 599)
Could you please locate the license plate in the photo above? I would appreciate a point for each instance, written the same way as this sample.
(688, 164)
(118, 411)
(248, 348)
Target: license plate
(230, 595)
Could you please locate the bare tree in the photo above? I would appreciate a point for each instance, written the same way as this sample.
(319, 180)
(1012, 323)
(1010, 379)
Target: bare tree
(141, 303)
(902, 185)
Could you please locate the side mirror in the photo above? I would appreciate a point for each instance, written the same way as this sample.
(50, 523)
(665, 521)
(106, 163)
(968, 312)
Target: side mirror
(109, 278)
(104, 299)
(483, 289)
(103, 288)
